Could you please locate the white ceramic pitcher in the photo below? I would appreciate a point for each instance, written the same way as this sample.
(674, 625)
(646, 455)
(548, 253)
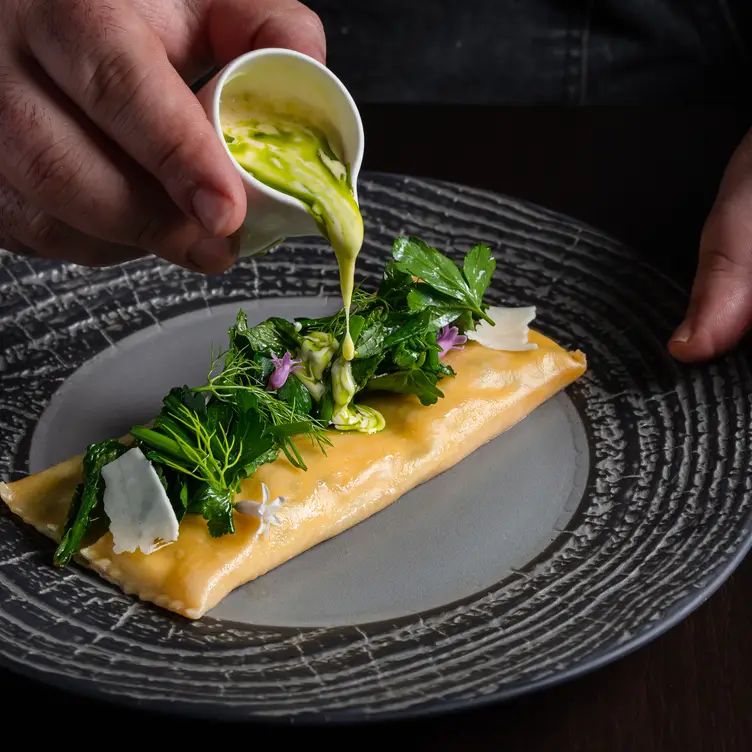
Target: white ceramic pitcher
(283, 75)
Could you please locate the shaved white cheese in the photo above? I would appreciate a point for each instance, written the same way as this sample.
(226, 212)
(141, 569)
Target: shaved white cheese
(139, 509)
(511, 331)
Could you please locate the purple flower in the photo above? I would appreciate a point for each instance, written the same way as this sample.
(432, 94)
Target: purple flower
(283, 367)
(448, 338)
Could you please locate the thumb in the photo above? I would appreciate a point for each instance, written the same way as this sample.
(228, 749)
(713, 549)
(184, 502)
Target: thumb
(720, 309)
(238, 26)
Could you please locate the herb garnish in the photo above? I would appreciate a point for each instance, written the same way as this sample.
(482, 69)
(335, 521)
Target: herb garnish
(207, 440)
(86, 507)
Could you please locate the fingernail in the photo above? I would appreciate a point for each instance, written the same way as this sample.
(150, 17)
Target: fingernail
(212, 209)
(683, 333)
(214, 255)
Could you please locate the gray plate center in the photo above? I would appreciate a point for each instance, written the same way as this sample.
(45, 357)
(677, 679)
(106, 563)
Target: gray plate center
(453, 536)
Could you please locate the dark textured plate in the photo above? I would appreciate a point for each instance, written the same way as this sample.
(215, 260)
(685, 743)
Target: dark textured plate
(588, 529)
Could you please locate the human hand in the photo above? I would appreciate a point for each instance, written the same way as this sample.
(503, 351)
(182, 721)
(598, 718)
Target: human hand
(720, 309)
(105, 153)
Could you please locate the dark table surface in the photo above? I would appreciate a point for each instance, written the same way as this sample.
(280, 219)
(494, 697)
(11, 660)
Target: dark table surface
(647, 177)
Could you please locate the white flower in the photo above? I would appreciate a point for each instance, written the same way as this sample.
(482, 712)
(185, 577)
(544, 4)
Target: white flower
(264, 511)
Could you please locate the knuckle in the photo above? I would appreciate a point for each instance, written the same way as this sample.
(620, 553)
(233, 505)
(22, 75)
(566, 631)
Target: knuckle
(151, 234)
(41, 163)
(111, 82)
(719, 261)
(44, 232)
(9, 79)
(726, 242)
(292, 19)
(165, 232)
(10, 208)
(167, 154)
(34, 14)
(119, 90)
(74, 28)
(101, 43)
(18, 236)
(50, 170)
(27, 225)
(19, 117)
(310, 18)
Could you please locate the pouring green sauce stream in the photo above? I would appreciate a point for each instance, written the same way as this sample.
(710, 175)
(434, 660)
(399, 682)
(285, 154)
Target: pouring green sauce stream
(293, 156)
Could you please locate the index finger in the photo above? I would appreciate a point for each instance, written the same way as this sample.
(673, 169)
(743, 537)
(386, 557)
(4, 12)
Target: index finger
(114, 67)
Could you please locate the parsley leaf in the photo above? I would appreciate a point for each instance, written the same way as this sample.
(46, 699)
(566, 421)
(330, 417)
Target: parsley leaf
(395, 285)
(296, 395)
(420, 383)
(357, 322)
(420, 325)
(216, 507)
(478, 268)
(287, 333)
(364, 368)
(371, 340)
(408, 354)
(413, 256)
(273, 336)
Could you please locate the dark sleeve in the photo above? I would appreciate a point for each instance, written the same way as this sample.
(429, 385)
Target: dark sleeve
(541, 51)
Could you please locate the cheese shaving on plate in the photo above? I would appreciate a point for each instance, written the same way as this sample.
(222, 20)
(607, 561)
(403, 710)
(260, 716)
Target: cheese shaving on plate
(141, 516)
(511, 331)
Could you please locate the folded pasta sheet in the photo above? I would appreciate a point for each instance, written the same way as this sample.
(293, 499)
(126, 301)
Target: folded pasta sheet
(360, 475)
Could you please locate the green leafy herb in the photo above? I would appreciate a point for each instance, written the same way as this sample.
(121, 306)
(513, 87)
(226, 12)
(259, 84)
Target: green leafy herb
(215, 506)
(364, 368)
(204, 454)
(409, 355)
(87, 507)
(420, 383)
(176, 487)
(216, 444)
(371, 341)
(415, 326)
(335, 324)
(325, 406)
(413, 256)
(272, 411)
(357, 322)
(478, 268)
(269, 337)
(287, 333)
(394, 286)
(432, 362)
(296, 395)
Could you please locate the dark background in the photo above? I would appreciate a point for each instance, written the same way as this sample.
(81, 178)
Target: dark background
(647, 176)
(649, 52)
